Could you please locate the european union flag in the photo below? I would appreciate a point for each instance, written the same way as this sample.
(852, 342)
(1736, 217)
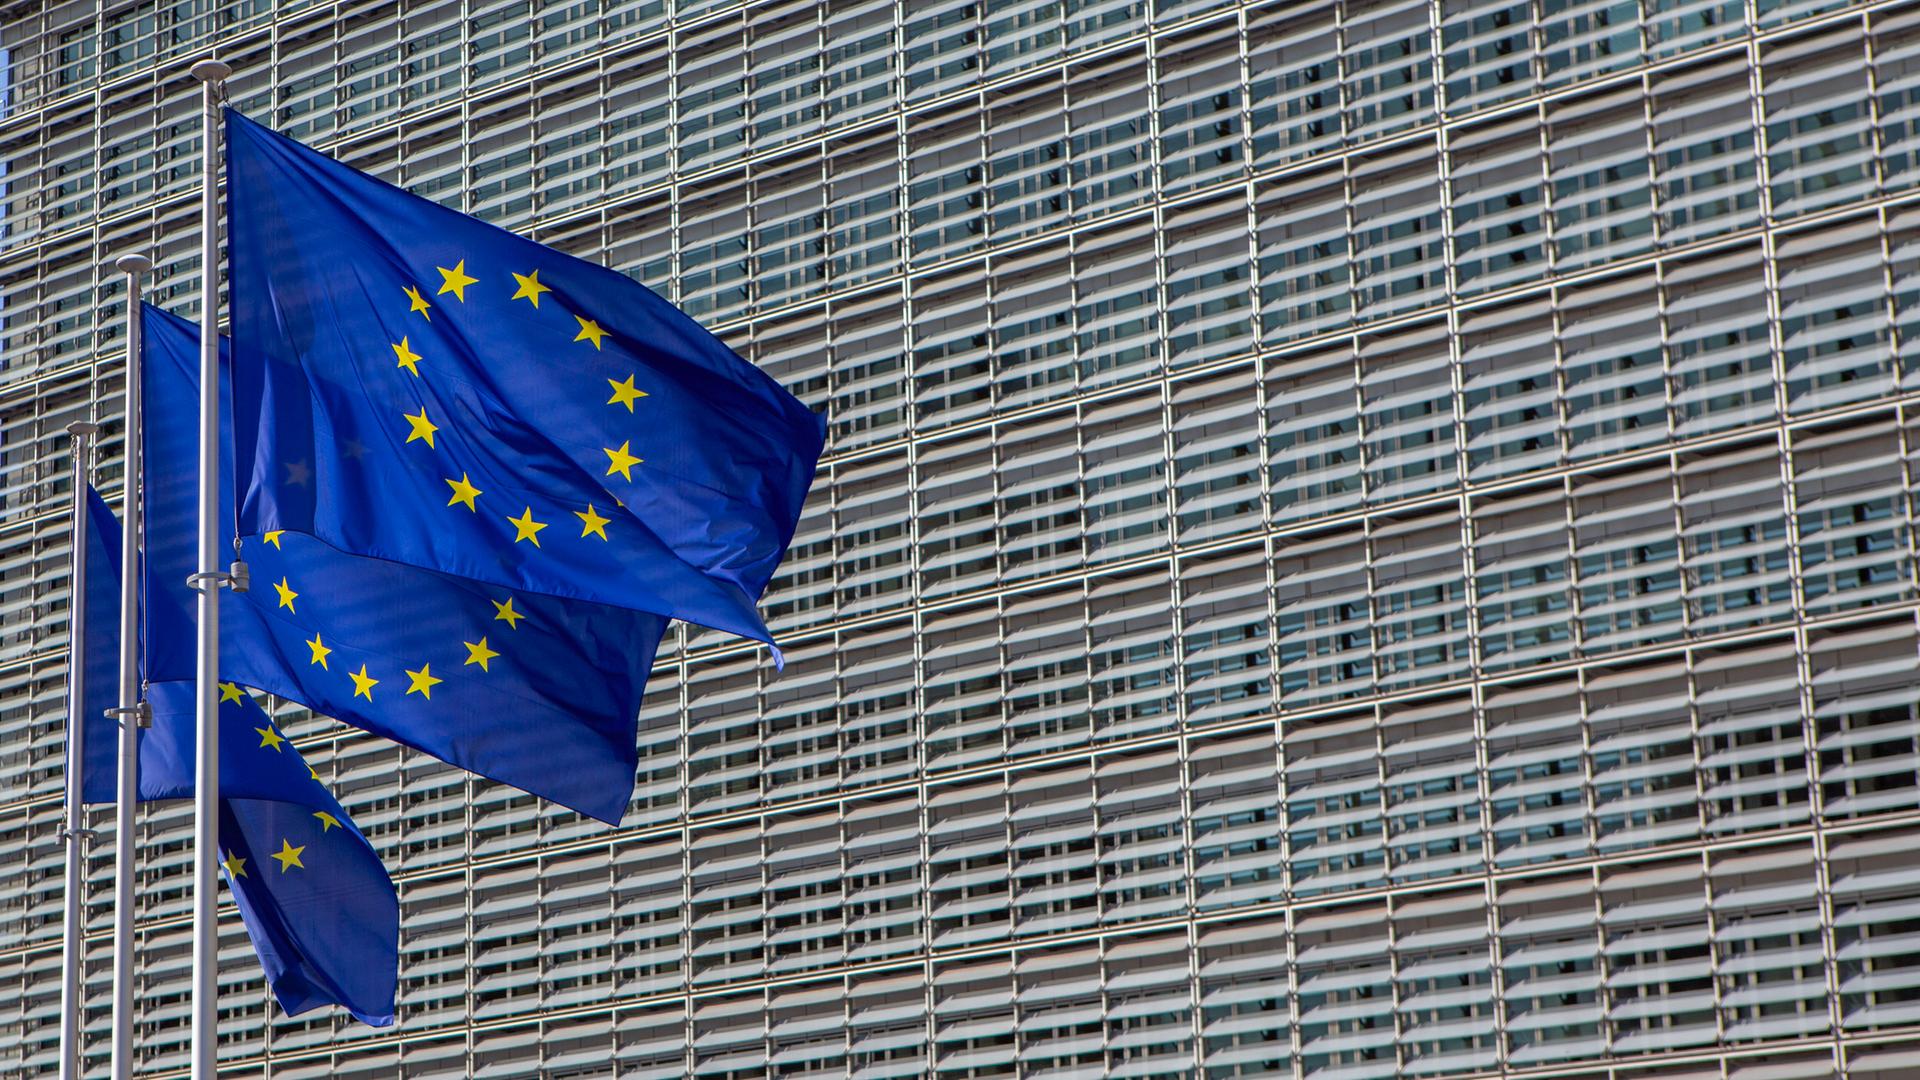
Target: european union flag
(417, 385)
(100, 681)
(319, 907)
(537, 692)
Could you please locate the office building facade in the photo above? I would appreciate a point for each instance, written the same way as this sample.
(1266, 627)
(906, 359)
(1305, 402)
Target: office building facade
(1358, 539)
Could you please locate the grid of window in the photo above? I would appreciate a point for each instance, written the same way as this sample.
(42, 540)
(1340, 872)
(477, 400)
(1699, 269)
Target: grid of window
(1358, 538)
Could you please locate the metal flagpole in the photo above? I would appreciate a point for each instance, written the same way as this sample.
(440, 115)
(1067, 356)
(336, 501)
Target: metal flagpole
(130, 714)
(206, 772)
(72, 832)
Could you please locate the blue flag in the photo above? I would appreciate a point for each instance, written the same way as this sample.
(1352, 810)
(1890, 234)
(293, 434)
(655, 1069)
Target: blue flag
(318, 905)
(537, 692)
(417, 385)
(100, 682)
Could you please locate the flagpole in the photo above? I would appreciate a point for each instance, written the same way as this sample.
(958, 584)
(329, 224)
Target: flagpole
(73, 832)
(208, 581)
(130, 714)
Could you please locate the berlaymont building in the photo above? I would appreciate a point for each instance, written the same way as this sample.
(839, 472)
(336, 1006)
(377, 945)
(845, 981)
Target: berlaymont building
(1357, 539)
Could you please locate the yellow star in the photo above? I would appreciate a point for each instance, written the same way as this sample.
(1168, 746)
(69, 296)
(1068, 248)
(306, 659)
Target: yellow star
(289, 856)
(363, 683)
(229, 692)
(463, 492)
(423, 681)
(236, 866)
(286, 594)
(270, 737)
(530, 288)
(620, 461)
(592, 522)
(423, 428)
(327, 821)
(624, 393)
(418, 303)
(272, 536)
(407, 357)
(479, 653)
(589, 331)
(320, 652)
(313, 772)
(503, 612)
(525, 528)
(455, 281)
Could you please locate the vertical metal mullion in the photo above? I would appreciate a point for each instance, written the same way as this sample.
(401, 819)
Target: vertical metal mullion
(762, 837)
(1477, 705)
(1277, 734)
(608, 879)
(1823, 878)
(1188, 881)
(1589, 778)
(1562, 408)
(1705, 855)
(1261, 404)
(1012, 864)
(1910, 480)
(1769, 241)
(672, 285)
(531, 224)
(1685, 570)
(1876, 136)
(1176, 620)
(467, 93)
(1350, 193)
(685, 835)
(827, 278)
(994, 435)
(1706, 876)
(1072, 246)
(467, 895)
(1603, 968)
(1470, 551)
(1810, 755)
(1289, 916)
(1105, 992)
(1537, 63)
(1386, 837)
(1443, 166)
(1349, 187)
(1391, 902)
(1575, 634)
(1650, 135)
(911, 424)
(1197, 1019)
(1015, 985)
(750, 175)
(846, 981)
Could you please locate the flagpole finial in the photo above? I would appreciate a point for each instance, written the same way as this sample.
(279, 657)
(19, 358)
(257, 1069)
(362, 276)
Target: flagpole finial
(83, 427)
(212, 71)
(133, 264)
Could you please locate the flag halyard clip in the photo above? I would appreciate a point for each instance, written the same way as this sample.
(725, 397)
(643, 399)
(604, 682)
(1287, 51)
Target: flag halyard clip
(65, 835)
(236, 577)
(141, 713)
